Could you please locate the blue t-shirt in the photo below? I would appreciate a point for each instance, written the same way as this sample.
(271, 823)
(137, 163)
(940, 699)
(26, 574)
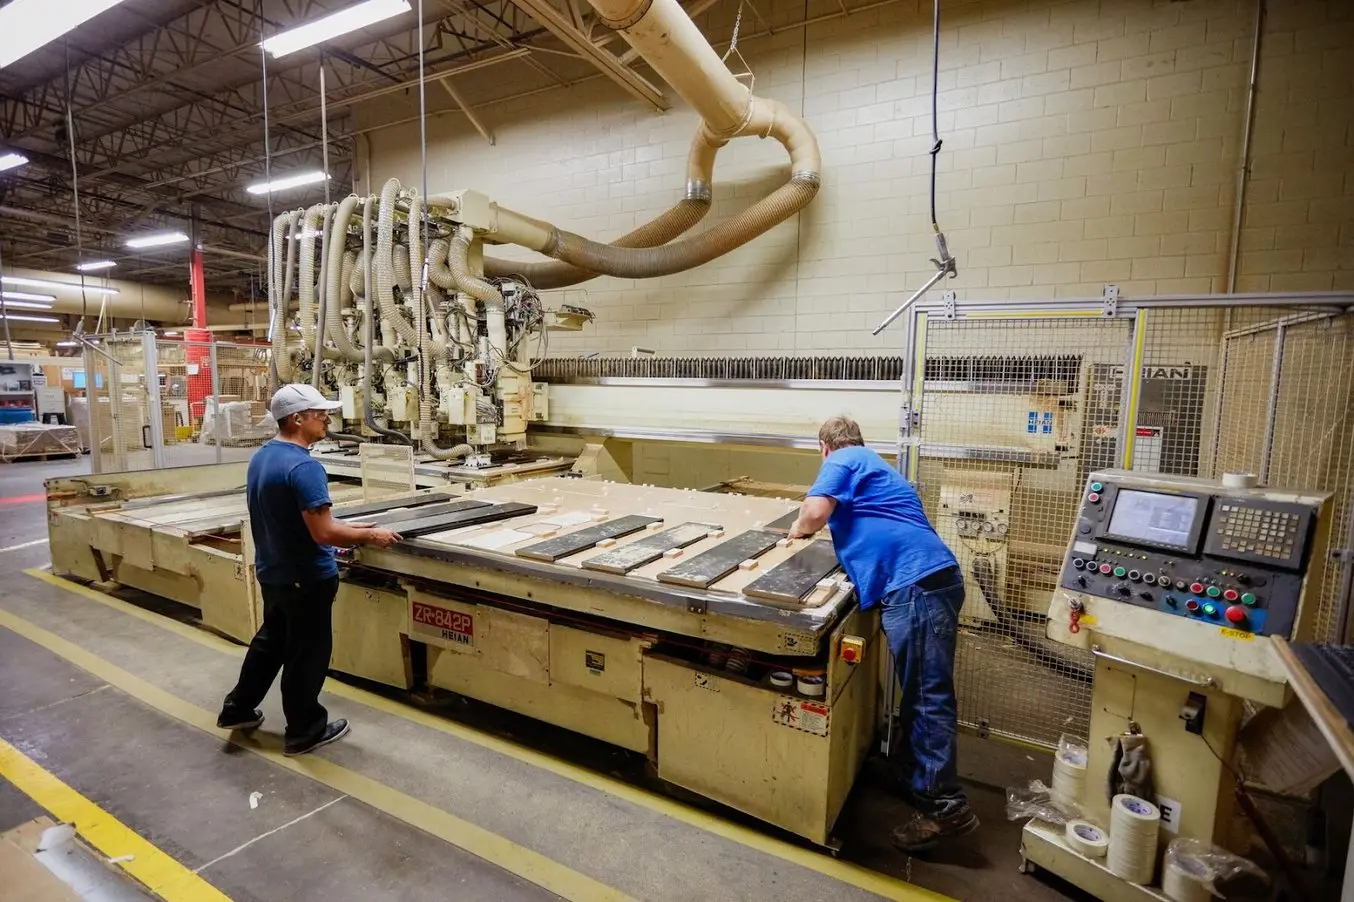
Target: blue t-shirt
(283, 480)
(879, 529)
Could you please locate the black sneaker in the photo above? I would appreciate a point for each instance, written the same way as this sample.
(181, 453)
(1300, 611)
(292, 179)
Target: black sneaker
(334, 731)
(922, 832)
(229, 720)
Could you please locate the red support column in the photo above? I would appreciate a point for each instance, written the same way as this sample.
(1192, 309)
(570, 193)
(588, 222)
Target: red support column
(199, 355)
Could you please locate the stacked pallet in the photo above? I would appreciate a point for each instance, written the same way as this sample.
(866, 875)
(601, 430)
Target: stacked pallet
(37, 441)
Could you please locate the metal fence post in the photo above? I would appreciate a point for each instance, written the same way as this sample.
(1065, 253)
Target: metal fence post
(216, 396)
(1272, 404)
(154, 410)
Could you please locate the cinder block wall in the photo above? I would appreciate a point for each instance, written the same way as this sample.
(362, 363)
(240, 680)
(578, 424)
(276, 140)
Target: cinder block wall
(1084, 142)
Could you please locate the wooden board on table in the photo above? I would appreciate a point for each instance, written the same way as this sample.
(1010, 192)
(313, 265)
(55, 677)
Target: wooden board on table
(380, 507)
(650, 548)
(475, 516)
(563, 546)
(709, 567)
(794, 579)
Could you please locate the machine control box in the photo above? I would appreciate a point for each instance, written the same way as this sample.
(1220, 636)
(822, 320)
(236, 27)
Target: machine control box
(1235, 558)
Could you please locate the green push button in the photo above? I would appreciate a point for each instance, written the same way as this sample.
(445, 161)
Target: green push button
(1210, 609)
(1214, 591)
(1249, 599)
(1095, 486)
(1119, 571)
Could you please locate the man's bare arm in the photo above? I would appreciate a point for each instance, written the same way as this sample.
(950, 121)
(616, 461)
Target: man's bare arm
(325, 530)
(813, 515)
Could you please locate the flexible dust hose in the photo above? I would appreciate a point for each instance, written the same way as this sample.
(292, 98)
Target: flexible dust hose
(438, 273)
(769, 119)
(458, 261)
(284, 228)
(385, 276)
(318, 358)
(427, 427)
(310, 223)
(338, 277)
(414, 263)
(369, 325)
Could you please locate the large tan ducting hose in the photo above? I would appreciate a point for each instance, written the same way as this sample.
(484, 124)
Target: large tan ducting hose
(338, 262)
(414, 263)
(385, 262)
(438, 273)
(284, 247)
(675, 221)
(427, 427)
(458, 261)
(310, 226)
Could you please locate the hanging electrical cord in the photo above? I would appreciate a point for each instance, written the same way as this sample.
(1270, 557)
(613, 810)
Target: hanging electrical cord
(75, 191)
(944, 262)
(4, 312)
(274, 291)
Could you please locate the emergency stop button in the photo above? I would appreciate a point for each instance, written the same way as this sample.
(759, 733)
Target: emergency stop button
(1236, 614)
(852, 649)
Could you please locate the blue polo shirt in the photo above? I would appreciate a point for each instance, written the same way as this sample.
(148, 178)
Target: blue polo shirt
(282, 481)
(879, 529)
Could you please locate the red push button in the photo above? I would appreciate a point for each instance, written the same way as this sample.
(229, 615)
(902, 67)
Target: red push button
(1192, 606)
(1196, 588)
(1236, 614)
(1105, 569)
(1231, 594)
(1094, 497)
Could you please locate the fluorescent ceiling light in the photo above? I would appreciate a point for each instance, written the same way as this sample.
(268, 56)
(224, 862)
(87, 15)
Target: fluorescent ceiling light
(11, 160)
(341, 22)
(31, 319)
(26, 305)
(30, 24)
(291, 181)
(25, 296)
(158, 240)
(94, 265)
(26, 282)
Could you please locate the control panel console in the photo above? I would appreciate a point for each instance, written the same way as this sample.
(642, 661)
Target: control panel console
(1235, 558)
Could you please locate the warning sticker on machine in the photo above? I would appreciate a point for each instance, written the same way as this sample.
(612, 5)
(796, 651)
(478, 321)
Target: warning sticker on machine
(594, 661)
(442, 626)
(1238, 635)
(811, 717)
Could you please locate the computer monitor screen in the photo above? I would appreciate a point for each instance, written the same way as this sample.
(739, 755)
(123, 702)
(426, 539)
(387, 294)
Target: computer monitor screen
(1154, 518)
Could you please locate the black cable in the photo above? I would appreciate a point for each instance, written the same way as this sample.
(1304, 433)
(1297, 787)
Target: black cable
(935, 115)
(75, 191)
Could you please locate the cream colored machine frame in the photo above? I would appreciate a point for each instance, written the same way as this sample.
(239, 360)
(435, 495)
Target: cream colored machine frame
(541, 629)
(1147, 664)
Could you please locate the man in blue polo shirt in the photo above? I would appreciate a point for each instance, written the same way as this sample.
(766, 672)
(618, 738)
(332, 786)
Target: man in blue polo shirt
(896, 560)
(287, 492)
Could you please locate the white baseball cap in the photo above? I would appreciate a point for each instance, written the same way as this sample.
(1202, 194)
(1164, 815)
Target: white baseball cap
(295, 398)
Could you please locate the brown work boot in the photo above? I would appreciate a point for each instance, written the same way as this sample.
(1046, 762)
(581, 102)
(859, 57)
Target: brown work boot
(923, 832)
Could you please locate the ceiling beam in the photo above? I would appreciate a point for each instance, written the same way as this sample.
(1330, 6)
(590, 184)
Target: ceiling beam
(560, 26)
(466, 108)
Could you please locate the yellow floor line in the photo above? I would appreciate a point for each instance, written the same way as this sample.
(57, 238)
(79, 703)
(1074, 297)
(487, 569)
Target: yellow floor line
(510, 856)
(157, 871)
(853, 875)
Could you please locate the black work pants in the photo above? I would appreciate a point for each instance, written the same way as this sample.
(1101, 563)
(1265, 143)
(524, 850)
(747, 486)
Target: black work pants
(297, 638)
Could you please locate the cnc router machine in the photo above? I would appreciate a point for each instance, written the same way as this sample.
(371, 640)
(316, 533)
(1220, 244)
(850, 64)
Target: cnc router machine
(1176, 585)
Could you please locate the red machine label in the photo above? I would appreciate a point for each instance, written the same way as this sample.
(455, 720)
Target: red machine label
(453, 626)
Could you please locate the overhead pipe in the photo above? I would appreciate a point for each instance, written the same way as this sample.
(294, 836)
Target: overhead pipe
(670, 42)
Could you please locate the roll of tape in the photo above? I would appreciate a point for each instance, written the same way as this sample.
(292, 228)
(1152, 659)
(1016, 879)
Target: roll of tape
(812, 686)
(1239, 480)
(1134, 825)
(1087, 839)
(782, 680)
(1069, 780)
(1185, 880)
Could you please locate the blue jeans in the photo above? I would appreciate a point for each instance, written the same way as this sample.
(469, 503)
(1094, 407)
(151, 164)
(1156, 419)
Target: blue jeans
(921, 630)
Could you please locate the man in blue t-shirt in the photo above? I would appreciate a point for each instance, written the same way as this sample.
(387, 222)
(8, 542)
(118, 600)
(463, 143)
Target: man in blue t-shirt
(896, 560)
(289, 517)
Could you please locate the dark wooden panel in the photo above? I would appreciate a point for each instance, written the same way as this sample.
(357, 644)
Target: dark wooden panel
(481, 513)
(380, 507)
(709, 567)
(422, 513)
(793, 579)
(583, 539)
(783, 524)
(650, 548)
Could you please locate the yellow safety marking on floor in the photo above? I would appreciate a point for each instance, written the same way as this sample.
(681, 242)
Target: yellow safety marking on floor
(854, 875)
(525, 863)
(157, 871)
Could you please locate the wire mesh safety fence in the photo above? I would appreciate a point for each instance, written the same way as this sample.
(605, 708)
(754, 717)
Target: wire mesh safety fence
(153, 403)
(1015, 412)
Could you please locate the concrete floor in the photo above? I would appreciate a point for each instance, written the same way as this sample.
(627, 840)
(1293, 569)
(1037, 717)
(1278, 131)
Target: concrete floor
(341, 824)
